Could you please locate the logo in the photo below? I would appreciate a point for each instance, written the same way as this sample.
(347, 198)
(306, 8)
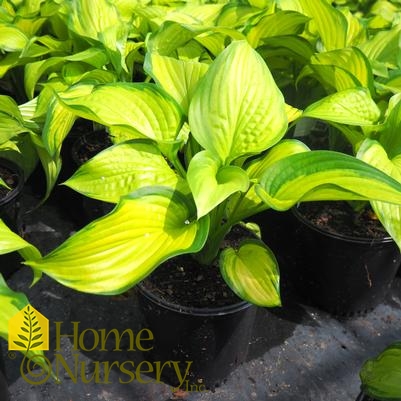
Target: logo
(29, 333)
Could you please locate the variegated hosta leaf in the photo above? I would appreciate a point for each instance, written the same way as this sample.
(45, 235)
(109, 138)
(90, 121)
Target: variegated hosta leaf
(33, 71)
(237, 108)
(357, 31)
(8, 61)
(330, 23)
(252, 273)
(344, 68)
(389, 214)
(90, 19)
(145, 109)
(11, 121)
(204, 13)
(236, 15)
(121, 169)
(277, 24)
(324, 175)
(113, 253)
(169, 37)
(215, 40)
(12, 39)
(211, 182)
(381, 376)
(51, 166)
(284, 148)
(178, 77)
(59, 121)
(292, 113)
(351, 106)
(242, 206)
(295, 46)
(90, 58)
(383, 47)
(390, 137)
(10, 242)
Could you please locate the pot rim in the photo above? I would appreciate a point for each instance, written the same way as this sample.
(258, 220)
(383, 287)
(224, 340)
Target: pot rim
(193, 311)
(18, 189)
(342, 237)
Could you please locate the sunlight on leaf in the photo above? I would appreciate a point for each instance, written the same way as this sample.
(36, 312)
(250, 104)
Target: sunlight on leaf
(252, 273)
(211, 183)
(230, 114)
(121, 169)
(324, 175)
(115, 252)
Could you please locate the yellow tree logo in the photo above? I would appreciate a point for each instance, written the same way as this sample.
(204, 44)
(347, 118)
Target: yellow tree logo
(28, 331)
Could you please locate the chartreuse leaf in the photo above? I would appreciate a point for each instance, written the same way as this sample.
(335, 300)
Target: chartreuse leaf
(390, 137)
(237, 108)
(90, 19)
(381, 376)
(357, 72)
(389, 214)
(284, 148)
(7, 62)
(51, 166)
(324, 175)
(211, 182)
(91, 58)
(59, 121)
(11, 242)
(236, 15)
(169, 37)
(242, 206)
(178, 77)
(356, 29)
(204, 13)
(12, 39)
(292, 113)
(384, 46)
(3, 184)
(11, 121)
(100, 20)
(113, 253)
(330, 23)
(351, 106)
(277, 24)
(33, 72)
(392, 85)
(121, 169)
(251, 271)
(144, 109)
(295, 46)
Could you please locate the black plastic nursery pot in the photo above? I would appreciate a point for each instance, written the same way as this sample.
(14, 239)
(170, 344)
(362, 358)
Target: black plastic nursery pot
(215, 340)
(78, 149)
(341, 274)
(13, 175)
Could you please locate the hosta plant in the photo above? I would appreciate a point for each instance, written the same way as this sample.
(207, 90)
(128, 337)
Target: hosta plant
(381, 376)
(192, 158)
